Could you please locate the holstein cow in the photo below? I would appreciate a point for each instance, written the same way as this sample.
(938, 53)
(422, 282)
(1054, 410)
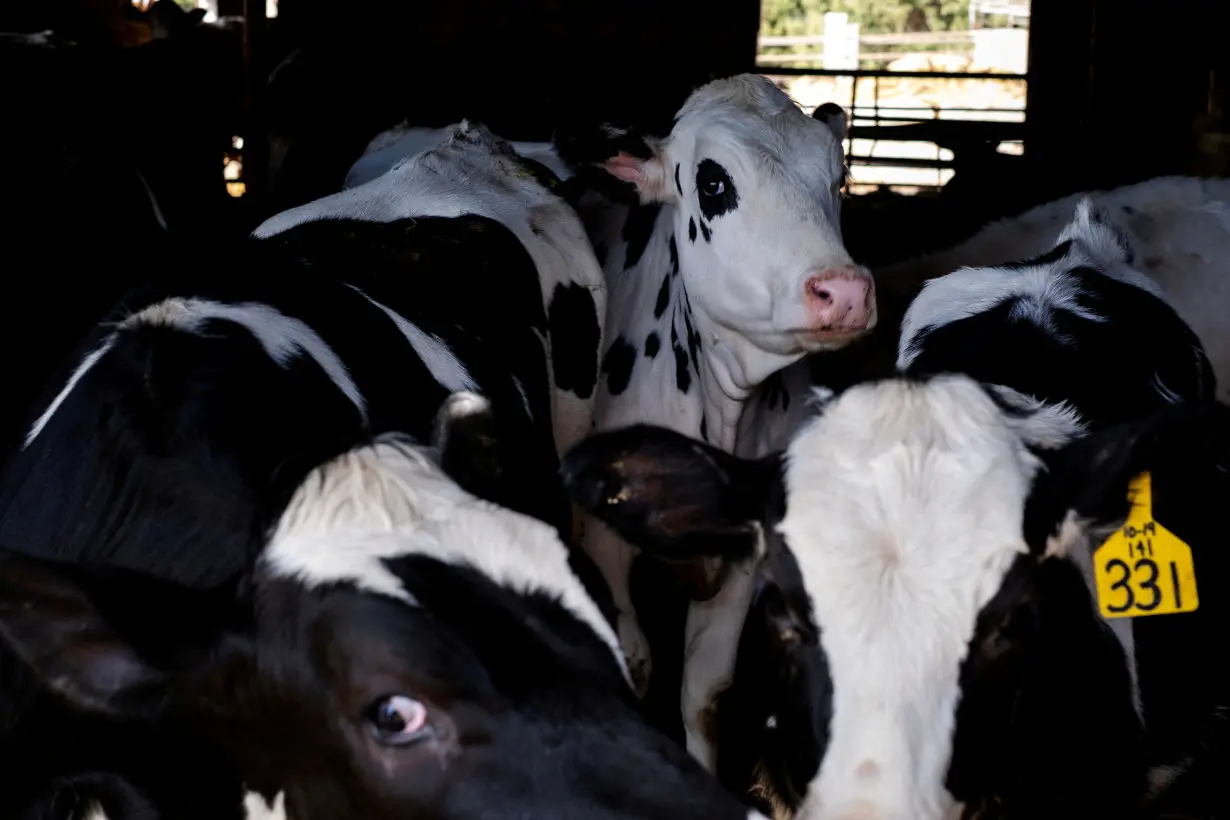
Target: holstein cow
(401, 649)
(475, 172)
(402, 142)
(174, 438)
(724, 263)
(1100, 316)
(927, 638)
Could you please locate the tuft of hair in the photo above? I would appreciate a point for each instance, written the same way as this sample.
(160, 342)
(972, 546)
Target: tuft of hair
(256, 807)
(1102, 239)
(1040, 424)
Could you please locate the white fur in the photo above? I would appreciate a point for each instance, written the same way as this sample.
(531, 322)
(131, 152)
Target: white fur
(283, 337)
(389, 500)
(87, 363)
(401, 142)
(905, 511)
(440, 360)
(95, 812)
(255, 807)
(475, 172)
(1178, 226)
(745, 288)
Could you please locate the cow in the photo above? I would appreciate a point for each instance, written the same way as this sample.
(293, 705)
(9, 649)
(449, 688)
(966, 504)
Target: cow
(476, 172)
(400, 648)
(173, 439)
(724, 262)
(1056, 319)
(402, 142)
(926, 639)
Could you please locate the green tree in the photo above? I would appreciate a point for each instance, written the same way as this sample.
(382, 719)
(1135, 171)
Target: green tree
(875, 16)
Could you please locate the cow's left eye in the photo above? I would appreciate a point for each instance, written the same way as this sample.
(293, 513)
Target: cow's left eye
(713, 187)
(397, 720)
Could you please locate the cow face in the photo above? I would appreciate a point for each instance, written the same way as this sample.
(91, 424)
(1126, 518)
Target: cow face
(922, 639)
(751, 186)
(402, 649)
(1080, 324)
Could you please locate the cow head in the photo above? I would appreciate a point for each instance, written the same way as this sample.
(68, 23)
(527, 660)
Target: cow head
(751, 186)
(401, 649)
(922, 639)
(1081, 324)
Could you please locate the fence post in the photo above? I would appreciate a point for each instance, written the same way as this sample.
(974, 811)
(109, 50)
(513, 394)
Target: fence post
(840, 42)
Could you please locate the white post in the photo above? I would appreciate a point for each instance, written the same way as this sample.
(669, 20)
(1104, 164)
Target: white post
(840, 42)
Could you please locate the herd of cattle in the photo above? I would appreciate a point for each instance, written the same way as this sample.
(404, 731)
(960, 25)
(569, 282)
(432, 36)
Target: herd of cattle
(340, 521)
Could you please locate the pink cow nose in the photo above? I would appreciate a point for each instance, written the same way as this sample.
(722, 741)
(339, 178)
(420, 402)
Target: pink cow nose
(840, 299)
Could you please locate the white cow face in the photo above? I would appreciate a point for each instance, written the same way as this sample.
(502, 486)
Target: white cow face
(752, 185)
(921, 641)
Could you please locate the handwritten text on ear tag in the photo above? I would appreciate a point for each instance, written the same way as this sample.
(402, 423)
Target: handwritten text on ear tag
(1143, 568)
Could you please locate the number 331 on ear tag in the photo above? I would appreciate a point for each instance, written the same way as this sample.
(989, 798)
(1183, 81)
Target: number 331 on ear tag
(1143, 568)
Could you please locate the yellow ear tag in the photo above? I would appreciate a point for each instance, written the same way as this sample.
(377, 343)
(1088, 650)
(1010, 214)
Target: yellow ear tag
(1143, 568)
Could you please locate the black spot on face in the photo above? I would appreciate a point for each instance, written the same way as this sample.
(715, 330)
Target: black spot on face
(691, 229)
(617, 365)
(653, 343)
(637, 229)
(704, 429)
(575, 335)
(693, 338)
(678, 187)
(704, 231)
(674, 246)
(664, 297)
(715, 190)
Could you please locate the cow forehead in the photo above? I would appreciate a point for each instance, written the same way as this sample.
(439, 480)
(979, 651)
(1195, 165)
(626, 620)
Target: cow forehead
(904, 512)
(890, 472)
(752, 118)
(389, 500)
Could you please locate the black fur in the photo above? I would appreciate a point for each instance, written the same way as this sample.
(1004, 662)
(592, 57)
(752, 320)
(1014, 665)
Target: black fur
(575, 331)
(638, 228)
(617, 364)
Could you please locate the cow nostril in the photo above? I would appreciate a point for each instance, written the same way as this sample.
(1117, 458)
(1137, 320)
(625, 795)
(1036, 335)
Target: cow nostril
(821, 292)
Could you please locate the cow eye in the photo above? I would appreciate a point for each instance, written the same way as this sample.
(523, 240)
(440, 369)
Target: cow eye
(713, 187)
(397, 720)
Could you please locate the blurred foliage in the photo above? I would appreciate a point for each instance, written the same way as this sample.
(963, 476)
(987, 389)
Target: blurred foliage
(875, 16)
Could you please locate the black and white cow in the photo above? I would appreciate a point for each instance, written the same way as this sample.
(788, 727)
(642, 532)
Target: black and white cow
(475, 172)
(924, 640)
(724, 262)
(401, 648)
(173, 439)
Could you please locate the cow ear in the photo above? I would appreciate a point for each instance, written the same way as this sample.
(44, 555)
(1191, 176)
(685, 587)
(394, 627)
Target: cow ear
(1082, 494)
(636, 161)
(671, 495)
(108, 640)
(834, 116)
(466, 438)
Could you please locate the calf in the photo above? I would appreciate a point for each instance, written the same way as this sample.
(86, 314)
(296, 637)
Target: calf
(1173, 228)
(926, 639)
(724, 263)
(475, 172)
(174, 439)
(402, 648)
(401, 142)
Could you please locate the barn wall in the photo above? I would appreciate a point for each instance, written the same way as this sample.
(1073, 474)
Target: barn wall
(518, 65)
(1125, 90)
